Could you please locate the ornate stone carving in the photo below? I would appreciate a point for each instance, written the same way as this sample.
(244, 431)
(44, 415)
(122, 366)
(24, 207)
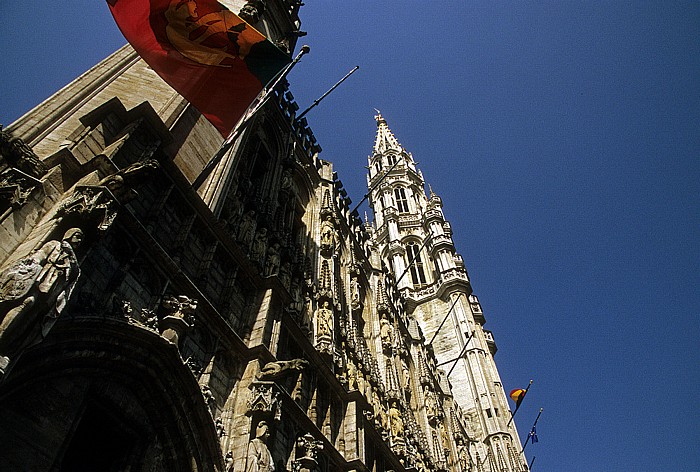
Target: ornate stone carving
(328, 236)
(90, 202)
(259, 247)
(15, 188)
(277, 370)
(386, 333)
(219, 425)
(35, 290)
(264, 398)
(252, 11)
(122, 183)
(324, 328)
(246, 230)
(179, 318)
(272, 261)
(20, 156)
(228, 462)
(209, 399)
(259, 458)
(473, 424)
(396, 423)
(306, 454)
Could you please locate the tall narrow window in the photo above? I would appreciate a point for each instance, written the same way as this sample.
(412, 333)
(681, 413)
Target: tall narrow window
(401, 201)
(391, 159)
(417, 272)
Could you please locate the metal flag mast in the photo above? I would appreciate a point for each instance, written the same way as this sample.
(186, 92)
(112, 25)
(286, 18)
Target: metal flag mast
(259, 102)
(532, 435)
(517, 407)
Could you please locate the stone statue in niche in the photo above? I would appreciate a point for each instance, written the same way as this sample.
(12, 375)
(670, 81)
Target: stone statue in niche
(219, 425)
(352, 375)
(473, 424)
(234, 209)
(122, 183)
(324, 321)
(246, 231)
(179, 317)
(328, 237)
(380, 417)
(360, 380)
(395, 421)
(259, 458)
(280, 369)
(257, 251)
(430, 405)
(354, 294)
(272, 262)
(386, 333)
(209, 398)
(286, 181)
(405, 374)
(228, 462)
(463, 456)
(35, 290)
(285, 274)
(252, 11)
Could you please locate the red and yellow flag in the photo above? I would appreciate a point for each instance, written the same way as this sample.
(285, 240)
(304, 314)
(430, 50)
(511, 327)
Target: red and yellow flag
(517, 395)
(208, 54)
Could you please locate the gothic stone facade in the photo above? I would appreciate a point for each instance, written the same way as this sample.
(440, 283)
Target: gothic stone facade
(255, 324)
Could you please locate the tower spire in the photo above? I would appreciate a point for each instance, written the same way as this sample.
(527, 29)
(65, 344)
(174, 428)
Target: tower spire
(385, 139)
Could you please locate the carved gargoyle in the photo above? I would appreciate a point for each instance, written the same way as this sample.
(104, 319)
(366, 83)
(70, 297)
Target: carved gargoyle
(123, 182)
(280, 369)
(20, 156)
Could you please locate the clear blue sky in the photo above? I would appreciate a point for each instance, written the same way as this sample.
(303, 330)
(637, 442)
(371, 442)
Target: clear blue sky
(564, 139)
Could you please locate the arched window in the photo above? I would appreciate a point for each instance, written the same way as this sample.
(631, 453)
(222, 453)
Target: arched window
(417, 272)
(391, 159)
(401, 201)
(377, 166)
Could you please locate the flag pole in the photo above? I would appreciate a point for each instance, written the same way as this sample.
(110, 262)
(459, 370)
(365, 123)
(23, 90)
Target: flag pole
(413, 259)
(530, 435)
(464, 349)
(531, 462)
(445, 318)
(260, 101)
(376, 184)
(318, 100)
(517, 407)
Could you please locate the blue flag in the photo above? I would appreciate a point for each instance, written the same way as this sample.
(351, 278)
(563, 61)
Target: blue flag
(533, 435)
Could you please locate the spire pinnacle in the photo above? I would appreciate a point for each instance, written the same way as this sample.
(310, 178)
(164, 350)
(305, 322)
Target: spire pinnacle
(385, 139)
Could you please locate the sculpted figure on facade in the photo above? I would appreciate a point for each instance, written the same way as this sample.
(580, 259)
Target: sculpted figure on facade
(386, 333)
(34, 291)
(233, 211)
(430, 403)
(272, 262)
(280, 369)
(352, 375)
(324, 321)
(465, 460)
(473, 424)
(286, 181)
(257, 251)
(259, 458)
(228, 462)
(246, 231)
(395, 421)
(328, 236)
(355, 298)
(380, 417)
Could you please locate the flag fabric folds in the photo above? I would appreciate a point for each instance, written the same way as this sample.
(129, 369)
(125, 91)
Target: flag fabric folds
(533, 435)
(208, 54)
(517, 395)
